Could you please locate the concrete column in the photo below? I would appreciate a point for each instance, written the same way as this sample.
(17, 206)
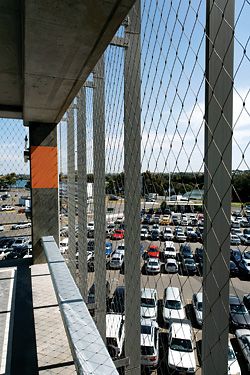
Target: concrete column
(217, 197)
(71, 186)
(82, 192)
(132, 182)
(44, 185)
(99, 196)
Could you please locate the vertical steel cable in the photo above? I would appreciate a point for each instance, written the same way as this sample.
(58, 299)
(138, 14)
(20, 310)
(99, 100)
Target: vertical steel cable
(99, 196)
(82, 192)
(132, 182)
(217, 202)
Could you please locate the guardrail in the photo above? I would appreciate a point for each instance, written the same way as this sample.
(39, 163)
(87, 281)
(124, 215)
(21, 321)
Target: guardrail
(88, 349)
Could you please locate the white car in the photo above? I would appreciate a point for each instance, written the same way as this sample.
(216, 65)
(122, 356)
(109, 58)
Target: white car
(91, 226)
(149, 302)
(64, 245)
(5, 207)
(117, 259)
(153, 265)
(181, 356)
(171, 266)
(172, 305)
(20, 242)
(21, 226)
(144, 234)
(149, 343)
(245, 240)
(197, 306)
(234, 240)
(243, 337)
(169, 250)
(233, 364)
(1, 228)
(167, 234)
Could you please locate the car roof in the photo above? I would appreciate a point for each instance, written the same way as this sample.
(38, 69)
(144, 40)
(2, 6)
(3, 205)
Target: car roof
(181, 330)
(113, 323)
(147, 292)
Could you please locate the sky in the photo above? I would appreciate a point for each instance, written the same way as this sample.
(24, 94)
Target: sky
(172, 95)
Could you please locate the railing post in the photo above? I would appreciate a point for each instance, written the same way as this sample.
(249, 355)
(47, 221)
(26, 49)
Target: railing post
(71, 190)
(217, 198)
(82, 192)
(132, 182)
(99, 196)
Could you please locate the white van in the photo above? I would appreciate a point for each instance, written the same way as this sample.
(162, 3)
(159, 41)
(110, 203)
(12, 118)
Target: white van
(115, 334)
(172, 305)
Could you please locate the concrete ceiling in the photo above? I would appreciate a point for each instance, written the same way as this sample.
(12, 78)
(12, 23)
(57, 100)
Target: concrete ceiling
(48, 48)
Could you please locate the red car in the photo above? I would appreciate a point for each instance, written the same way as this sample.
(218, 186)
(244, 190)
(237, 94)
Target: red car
(118, 234)
(153, 251)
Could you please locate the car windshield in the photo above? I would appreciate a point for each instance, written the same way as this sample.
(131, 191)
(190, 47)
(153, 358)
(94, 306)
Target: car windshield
(153, 263)
(238, 309)
(231, 354)
(147, 350)
(182, 345)
(147, 302)
(146, 330)
(189, 261)
(170, 249)
(173, 304)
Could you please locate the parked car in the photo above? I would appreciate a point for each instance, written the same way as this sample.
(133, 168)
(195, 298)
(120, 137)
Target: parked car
(243, 338)
(21, 226)
(1, 228)
(172, 304)
(245, 240)
(64, 245)
(108, 249)
(235, 255)
(185, 251)
(246, 301)
(118, 234)
(234, 270)
(115, 334)
(191, 234)
(118, 300)
(169, 251)
(197, 306)
(188, 266)
(149, 343)
(171, 266)
(20, 242)
(144, 234)
(149, 303)
(244, 267)
(117, 259)
(167, 234)
(179, 235)
(91, 295)
(165, 220)
(234, 240)
(153, 251)
(155, 235)
(233, 364)
(181, 356)
(153, 265)
(6, 207)
(239, 316)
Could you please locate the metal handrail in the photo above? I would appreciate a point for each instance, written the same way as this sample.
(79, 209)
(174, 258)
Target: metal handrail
(88, 349)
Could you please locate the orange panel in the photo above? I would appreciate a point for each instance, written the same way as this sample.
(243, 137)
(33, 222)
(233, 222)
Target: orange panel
(44, 170)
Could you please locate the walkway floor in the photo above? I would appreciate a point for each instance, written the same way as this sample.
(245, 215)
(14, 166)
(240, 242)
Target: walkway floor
(50, 341)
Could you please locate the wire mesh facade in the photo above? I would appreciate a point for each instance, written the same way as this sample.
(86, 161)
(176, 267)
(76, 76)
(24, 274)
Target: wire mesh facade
(174, 237)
